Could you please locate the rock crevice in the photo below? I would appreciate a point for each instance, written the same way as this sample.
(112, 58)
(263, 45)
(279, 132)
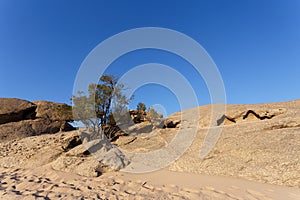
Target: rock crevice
(249, 115)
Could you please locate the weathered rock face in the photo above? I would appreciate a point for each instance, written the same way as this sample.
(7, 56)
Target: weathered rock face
(14, 130)
(65, 151)
(82, 166)
(53, 111)
(26, 128)
(138, 116)
(144, 123)
(143, 127)
(91, 159)
(20, 118)
(13, 110)
(171, 123)
(238, 116)
(46, 126)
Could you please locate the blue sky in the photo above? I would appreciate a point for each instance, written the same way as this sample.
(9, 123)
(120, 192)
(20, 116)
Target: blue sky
(254, 43)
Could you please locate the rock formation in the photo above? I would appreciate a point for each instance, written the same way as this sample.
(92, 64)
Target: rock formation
(53, 111)
(66, 151)
(91, 158)
(20, 118)
(13, 110)
(258, 142)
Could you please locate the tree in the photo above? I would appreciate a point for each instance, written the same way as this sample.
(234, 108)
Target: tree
(153, 114)
(141, 107)
(94, 110)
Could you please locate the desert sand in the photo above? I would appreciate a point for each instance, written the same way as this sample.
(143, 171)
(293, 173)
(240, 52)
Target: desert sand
(256, 157)
(46, 183)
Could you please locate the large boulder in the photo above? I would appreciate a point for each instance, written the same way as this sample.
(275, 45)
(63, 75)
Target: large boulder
(171, 123)
(26, 128)
(41, 126)
(85, 166)
(113, 159)
(20, 118)
(71, 139)
(13, 110)
(16, 130)
(138, 116)
(53, 111)
(98, 145)
(91, 159)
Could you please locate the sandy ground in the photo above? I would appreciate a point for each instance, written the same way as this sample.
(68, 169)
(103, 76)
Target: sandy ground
(45, 183)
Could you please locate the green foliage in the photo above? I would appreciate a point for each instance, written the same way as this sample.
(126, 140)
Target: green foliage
(63, 111)
(141, 107)
(94, 109)
(153, 114)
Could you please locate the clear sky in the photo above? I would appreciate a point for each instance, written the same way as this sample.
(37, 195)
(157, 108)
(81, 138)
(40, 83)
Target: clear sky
(254, 43)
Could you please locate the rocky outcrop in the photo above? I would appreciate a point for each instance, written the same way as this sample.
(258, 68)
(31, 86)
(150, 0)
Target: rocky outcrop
(143, 127)
(53, 111)
(14, 130)
(46, 126)
(171, 123)
(65, 151)
(89, 166)
(20, 118)
(91, 159)
(143, 118)
(13, 110)
(138, 116)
